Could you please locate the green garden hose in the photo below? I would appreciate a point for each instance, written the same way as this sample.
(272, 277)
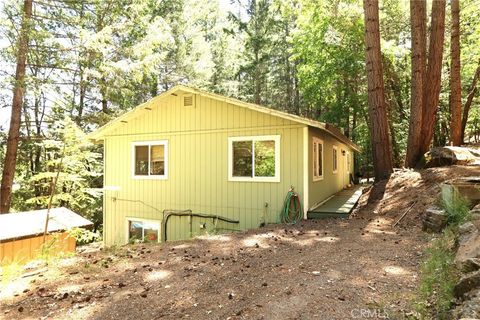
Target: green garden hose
(292, 208)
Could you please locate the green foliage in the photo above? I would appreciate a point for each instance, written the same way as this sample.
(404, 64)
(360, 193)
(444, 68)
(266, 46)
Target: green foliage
(84, 236)
(69, 152)
(10, 270)
(457, 209)
(438, 276)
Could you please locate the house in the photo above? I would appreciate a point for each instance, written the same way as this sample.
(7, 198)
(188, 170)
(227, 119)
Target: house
(21, 233)
(188, 149)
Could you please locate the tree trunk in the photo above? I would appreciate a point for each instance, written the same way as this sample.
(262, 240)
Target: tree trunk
(470, 96)
(418, 20)
(14, 131)
(382, 158)
(433, 78)
(455, 80)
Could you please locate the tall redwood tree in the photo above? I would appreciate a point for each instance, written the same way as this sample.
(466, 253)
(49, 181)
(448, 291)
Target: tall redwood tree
(471, 94)
(418, 20)
(455, 80)
(18, 93)
(434, 74)
(382, 158)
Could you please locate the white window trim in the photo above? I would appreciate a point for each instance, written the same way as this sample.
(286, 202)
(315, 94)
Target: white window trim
(127, 230)
(348, 162)
(316, 140)
(150, 143)
(275, 138)
(335, 170)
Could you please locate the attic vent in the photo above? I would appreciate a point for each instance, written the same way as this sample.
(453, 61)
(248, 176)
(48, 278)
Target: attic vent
(188, 100)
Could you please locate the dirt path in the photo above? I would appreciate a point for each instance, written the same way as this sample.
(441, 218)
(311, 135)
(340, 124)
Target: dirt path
(323, 269)
(328, 269)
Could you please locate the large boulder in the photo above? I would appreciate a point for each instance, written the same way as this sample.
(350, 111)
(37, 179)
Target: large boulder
(467, 283)
(469, 308)
(468, 245)
(446, 156)
(435, 220)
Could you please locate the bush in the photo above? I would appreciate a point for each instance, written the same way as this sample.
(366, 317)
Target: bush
(457, 209)
(83, 236)
(438, 276)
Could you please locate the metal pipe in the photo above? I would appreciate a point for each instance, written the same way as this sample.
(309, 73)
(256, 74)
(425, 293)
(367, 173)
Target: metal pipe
(188, 213)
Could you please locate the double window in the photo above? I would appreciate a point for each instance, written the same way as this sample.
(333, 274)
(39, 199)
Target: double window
(317, 159)
(150, 159)
(335, 159)
(254, 158)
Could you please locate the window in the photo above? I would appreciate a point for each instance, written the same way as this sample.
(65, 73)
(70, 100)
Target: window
(140, 230)
(348, 162)
(150, 160)
(335, 159)
(254, 158)
(317, 159)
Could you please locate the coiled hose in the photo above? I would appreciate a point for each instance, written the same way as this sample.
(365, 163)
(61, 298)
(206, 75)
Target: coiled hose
(292, 208)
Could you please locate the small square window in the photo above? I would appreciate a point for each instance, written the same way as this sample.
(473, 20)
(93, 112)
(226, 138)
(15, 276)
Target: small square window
(150, 160)
(254, 158)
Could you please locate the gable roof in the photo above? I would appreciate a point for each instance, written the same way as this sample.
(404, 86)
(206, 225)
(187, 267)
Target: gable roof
(332, 130)
(31, 223)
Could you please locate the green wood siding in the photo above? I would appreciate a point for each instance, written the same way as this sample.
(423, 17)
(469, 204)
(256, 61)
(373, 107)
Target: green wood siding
(332, 182)
(197, 167)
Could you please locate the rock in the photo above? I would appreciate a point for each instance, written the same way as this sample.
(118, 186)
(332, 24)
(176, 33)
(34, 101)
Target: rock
(467, 283)
(435, 220)
(469, 247)
(475, 215)
(467, 227)
(470, 264)
(447, 156)
(469, 308)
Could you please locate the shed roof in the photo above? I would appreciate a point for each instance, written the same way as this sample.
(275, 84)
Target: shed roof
(121, 120)
(30, 223)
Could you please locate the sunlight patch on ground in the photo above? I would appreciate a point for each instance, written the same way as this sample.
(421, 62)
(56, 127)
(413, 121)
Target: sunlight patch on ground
(219, 237)
(328, 239)
(379, 225)
(157, 275)
(9, 290)
(70, 288)
(396, 270)
(68, 262)
(183, 246)
(255, 240)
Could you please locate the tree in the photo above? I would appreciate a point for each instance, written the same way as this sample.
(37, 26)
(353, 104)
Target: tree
(455, 78)
(418, 19)
(382, 159)
(434, 74)
(471, 94)
(17, 103)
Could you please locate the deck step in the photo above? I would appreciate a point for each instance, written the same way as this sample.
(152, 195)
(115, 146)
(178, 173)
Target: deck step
(326, 215)
(338, 206)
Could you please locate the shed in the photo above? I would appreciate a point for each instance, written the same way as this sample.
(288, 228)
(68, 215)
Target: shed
(21, 233)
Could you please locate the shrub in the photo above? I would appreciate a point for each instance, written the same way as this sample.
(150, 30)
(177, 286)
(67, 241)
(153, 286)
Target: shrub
(457, 209)
(438, 276)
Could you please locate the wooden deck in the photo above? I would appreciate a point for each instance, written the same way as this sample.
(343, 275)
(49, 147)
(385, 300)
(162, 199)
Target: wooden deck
(339, 205)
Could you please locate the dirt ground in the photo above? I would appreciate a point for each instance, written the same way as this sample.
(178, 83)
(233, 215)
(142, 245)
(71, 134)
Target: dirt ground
(317, 269)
